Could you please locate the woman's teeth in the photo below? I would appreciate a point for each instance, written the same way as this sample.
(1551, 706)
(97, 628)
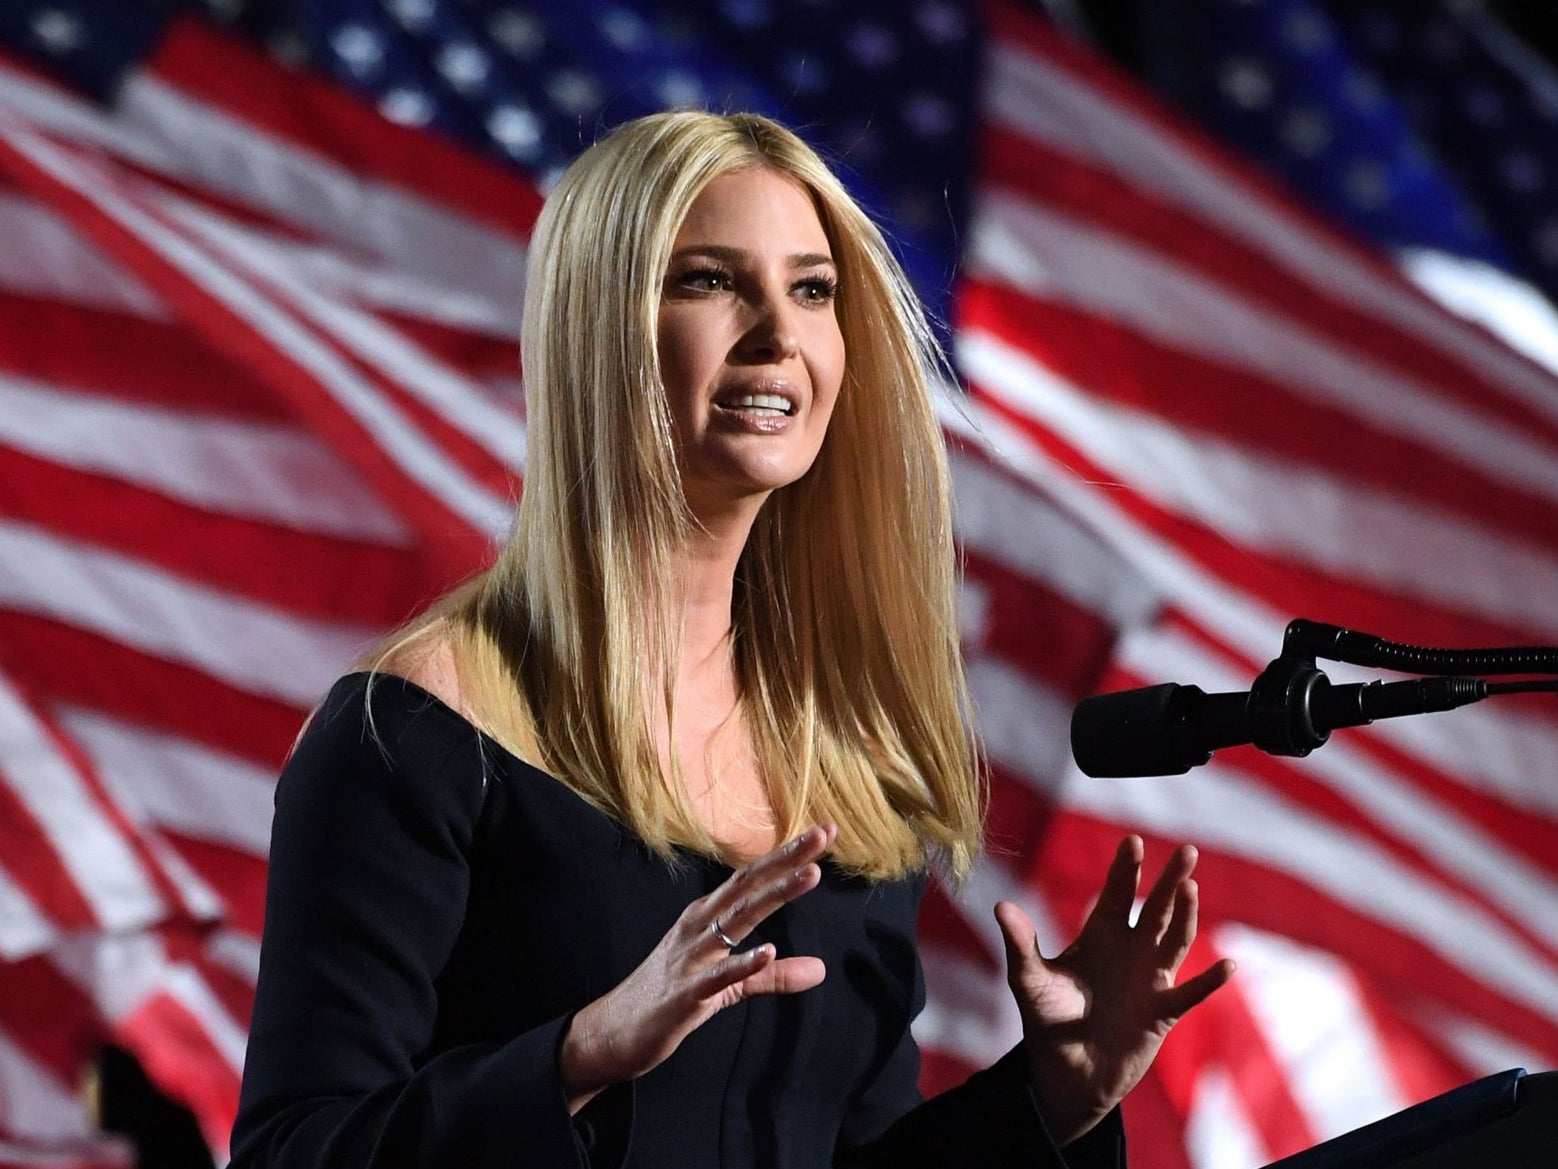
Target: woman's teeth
(761, 403)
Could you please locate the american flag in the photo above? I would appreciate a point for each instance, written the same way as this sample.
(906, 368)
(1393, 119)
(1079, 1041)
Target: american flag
(259, 401)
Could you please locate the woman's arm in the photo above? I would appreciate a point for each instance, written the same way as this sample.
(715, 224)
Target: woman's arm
(367, 892)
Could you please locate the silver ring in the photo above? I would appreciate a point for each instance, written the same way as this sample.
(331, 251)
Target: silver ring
(729, 942)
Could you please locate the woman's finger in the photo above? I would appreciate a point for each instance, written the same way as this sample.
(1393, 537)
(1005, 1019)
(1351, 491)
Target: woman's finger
(1178, 1001)
(1119, 891)
(1022, 940)
(786, 976)
(755, 890)
(730, 970)
(1157, 912)
(744, 915)
(1180, 930)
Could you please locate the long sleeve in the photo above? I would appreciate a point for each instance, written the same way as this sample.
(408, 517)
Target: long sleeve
(368, 886)
(991, 1120)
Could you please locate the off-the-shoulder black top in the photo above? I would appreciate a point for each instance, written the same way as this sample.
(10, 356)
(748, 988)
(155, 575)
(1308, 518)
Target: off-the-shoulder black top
(438, 909)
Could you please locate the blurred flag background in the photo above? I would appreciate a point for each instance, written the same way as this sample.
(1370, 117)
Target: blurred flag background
(1250, 300)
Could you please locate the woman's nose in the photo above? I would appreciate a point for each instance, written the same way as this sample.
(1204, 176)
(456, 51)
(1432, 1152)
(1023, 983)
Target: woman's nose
(772, 335)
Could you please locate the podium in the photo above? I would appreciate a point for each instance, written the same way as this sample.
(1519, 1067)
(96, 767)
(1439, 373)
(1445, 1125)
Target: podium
(1508, 1120)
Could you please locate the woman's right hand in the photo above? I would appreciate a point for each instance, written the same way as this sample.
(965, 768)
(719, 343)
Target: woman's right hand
(691, 973)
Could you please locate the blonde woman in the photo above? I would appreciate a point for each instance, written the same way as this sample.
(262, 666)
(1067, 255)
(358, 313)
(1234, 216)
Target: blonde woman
(614, 856)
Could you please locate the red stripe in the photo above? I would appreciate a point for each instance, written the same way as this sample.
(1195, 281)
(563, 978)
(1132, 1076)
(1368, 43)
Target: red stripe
(32, 863)
(940, 1070)
(1094, 195)
(1223, 1033)
(1045, 634)
(236, 993)
(160, 363)
(316, 116)
(105, 806)
(1519, 827)
(1071, 861)
(346, 580)
(49, 1017)
(473, 353)
(1111, 361)
(1421, 1065)
(457, 445)
(946, 923)
(62, 663)
(1152, 1122)
(1284, 584)
(180, 1057)
(1015, 28)
(232, 333)
(236, 876)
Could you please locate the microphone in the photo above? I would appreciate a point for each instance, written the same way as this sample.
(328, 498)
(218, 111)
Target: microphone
(1291, 709)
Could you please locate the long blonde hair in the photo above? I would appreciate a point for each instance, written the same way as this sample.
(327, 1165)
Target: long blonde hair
(844, 621)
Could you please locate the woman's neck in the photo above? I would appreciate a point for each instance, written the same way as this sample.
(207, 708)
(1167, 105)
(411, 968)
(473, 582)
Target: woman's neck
(708, 573)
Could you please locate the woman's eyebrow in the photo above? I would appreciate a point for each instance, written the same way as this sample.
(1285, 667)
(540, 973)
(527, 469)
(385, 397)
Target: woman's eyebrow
(732, 255)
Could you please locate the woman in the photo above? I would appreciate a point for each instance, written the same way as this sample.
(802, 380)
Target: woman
(615, 858)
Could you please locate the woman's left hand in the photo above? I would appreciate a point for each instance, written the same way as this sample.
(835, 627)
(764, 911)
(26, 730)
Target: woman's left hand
(1094, 1017)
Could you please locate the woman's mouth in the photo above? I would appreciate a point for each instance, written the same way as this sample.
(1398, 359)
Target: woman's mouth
(761, 405)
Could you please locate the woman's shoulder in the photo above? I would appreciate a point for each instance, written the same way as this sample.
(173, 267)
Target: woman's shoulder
(399, 715)
(426, 667)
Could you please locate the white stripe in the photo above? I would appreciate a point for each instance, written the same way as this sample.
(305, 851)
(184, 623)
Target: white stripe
(1306, 1005)
(248, 469)
(1218, 1131)
(1041, 100)
(969, 1012)
(1055, 257)
(253, 647)
(1015, 527)
(1526, 890)
(419, 458)
(973, 601)
(106, 871)
(1240, 618)
(34, 1104)
(42, 255)
(1019, 717)
(91, 1152)
(194, 994)
(1225, 809)
(1504, 755)
(24, 931)
(122, 973)
(213, 149)
(1509, 308)
(1229, 811)
(178, 784)
(199, 899)
(460, 401)
(347, 278)
(1479, 1046)
(1340, 527)
(159, 129)
(235, 952)
(1500, 751)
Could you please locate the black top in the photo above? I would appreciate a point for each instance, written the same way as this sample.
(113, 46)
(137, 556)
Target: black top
(438, 908)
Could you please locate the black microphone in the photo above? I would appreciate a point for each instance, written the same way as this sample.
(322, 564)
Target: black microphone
(1291, 709)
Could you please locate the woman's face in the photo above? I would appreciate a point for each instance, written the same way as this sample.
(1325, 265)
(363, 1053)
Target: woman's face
(750, 347)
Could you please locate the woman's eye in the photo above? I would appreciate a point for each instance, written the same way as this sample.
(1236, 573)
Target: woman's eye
(818, 290)
(705, 280)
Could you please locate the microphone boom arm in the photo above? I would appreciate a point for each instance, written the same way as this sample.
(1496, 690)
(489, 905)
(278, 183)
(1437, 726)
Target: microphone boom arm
(1291, 708)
